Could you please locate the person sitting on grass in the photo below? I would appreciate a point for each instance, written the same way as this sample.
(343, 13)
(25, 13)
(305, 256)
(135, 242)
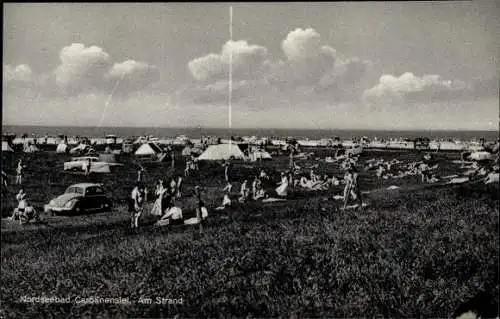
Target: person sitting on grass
(263, 175)
(254, 187)
(24, 211)
(172, 216)
(172, 189)
(282, 189)
(351, 188)
(493, 176)
(258, 190)
(226, 201)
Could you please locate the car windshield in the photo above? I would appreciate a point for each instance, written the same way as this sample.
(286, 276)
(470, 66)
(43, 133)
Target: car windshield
(74, 190)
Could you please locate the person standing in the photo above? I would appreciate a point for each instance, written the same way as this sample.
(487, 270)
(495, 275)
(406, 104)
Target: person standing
(20, 172)
(5, 184)
(138, 198)
(172, 158)
(226, 170)
(351, 188)
(21, 206)
(87, 167)
(200, 208)
(140, 175)
(178, 194)
(244, 191)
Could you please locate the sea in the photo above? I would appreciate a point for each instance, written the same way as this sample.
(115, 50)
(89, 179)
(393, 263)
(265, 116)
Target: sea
(313, 134)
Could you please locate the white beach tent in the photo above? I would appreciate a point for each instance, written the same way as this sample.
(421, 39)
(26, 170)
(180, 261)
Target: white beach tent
(222, 152)
(62, 148)
(260, 154)
(30, 148)
(148, 149)
(6, 147)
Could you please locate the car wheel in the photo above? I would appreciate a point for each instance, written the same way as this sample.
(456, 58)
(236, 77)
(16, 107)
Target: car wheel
(78, 209)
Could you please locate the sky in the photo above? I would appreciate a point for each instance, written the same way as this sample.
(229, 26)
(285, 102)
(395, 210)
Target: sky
(357, 65)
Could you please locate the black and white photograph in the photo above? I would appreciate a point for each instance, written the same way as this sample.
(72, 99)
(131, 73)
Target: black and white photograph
(250, 160)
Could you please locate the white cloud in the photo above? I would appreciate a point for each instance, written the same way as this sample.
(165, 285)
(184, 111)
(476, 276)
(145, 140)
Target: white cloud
(409, 87)
(81, 67)
(130, 76)
(246, 60)
(207, 67)
(308, 67)
(20, 73)
(301, 44)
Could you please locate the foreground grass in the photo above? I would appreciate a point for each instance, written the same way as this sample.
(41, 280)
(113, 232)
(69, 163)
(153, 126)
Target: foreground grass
(411, 254)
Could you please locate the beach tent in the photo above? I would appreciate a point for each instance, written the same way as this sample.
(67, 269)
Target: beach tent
(6, 147)
(30, 148)
(148, 149)
(62, 148)
(260, 154)
(188, 150)
(222, 152)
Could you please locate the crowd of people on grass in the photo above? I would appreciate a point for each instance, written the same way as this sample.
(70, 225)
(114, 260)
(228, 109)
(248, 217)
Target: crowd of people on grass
(167, 192)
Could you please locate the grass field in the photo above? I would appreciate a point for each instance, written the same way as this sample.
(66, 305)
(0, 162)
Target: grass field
(412, 253)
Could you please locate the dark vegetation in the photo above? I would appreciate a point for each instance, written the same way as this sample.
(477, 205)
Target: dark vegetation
(411, 253)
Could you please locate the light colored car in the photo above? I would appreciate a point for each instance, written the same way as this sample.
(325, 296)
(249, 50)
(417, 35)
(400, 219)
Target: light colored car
(79, 163)
(80, 198)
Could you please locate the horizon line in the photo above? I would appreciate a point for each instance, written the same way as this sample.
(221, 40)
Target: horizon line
(257, 128)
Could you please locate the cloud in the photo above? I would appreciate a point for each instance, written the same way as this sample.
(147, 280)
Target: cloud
(82, 68)
(307, 61)
(130, 76)
(301, 44)
(411, 88)
(308, 67)
(246, 61)
(21, 73)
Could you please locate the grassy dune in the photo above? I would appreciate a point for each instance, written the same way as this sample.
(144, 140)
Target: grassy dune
(410, 254)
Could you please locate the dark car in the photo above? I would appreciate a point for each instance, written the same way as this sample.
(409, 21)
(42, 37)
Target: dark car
(80, 198)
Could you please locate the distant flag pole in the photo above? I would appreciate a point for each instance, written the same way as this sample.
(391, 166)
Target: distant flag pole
(230, 67)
